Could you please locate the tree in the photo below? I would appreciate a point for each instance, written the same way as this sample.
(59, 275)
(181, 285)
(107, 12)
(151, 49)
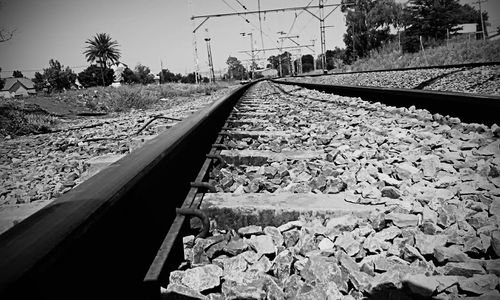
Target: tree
(129, 76)
(307, 63)
(39, 81)
(5, 34)
(334, 58)
(17, 74)
(167, 76)
(368, 25)
(90, 76)
(235, 69)
(143, 74)
(434, 19)
(102, 49)
(190, 78)
(281, 63)
(55, 78)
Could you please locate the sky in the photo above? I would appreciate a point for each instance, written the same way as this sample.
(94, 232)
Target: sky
(158, 33)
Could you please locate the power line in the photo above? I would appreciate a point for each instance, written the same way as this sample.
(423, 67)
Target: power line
(36, 70)
(244, 7)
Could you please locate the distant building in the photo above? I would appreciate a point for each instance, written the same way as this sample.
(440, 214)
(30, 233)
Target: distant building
(17, 87)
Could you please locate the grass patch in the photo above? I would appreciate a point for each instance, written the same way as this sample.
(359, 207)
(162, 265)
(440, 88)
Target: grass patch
(20, 118)
(456, 52)
(17, 119)
(127, 97)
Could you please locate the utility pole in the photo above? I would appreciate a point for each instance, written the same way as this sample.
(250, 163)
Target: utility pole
(210, 62)
(483, 29)
(260, 27)
(322, 33)
(195, 46)
(161, 70)
(251, 51)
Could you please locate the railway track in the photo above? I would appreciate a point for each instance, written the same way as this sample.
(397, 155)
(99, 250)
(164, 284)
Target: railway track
(120, 235)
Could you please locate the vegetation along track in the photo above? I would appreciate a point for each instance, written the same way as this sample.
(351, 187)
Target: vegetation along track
(118, 234)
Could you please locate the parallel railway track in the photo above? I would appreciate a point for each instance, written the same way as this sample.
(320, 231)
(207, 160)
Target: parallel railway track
(118, 234)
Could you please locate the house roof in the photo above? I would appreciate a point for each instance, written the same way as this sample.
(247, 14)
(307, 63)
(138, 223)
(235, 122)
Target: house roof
(9, 83)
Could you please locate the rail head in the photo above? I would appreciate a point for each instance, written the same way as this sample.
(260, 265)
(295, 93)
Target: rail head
(468, 107)
(466, 65)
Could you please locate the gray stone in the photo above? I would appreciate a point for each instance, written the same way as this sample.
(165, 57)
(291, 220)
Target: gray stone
(199, 256)
(273, 290)
(411, 253)
(282, 265)
(235, 247)
(467, 269)
(402, 220)
(388, 280)
(347, 242)
(321, 269)
(406, 171)
(290, 225)
(446, 181)
(429, 215)
(202, 278)
(292, 285)
(495, 207)
(175, 290)
(325, 244)
(452, 254)
(389, 180)
(275, 235)
(343, 223)
(291, 237)
(234, 265)
(492, 266)
(263, 265)
(426, 243)
(479, 284)
(250, 230)
(429, 165)
(390, 192)
(476, 245)
(262, 244)
(388, 234)
(375, 245)
(420, 284)
(253, 290)
(495, 242)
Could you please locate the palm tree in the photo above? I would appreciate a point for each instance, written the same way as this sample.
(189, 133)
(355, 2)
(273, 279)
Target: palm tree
(102, 48)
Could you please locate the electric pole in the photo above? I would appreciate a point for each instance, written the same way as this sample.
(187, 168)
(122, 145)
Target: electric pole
(322, 34)
(252, 67)
(483, 29)
(195, 46)
(210, 62)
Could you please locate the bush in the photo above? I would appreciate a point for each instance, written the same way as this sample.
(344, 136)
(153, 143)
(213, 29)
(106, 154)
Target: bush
(410, 43)
(91, 76)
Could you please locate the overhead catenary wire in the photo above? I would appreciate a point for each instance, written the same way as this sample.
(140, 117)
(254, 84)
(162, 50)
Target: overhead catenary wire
(246, 20)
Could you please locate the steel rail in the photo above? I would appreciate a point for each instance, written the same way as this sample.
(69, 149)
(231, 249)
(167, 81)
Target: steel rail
(467, 65)
(472, 108)
(98, 240)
